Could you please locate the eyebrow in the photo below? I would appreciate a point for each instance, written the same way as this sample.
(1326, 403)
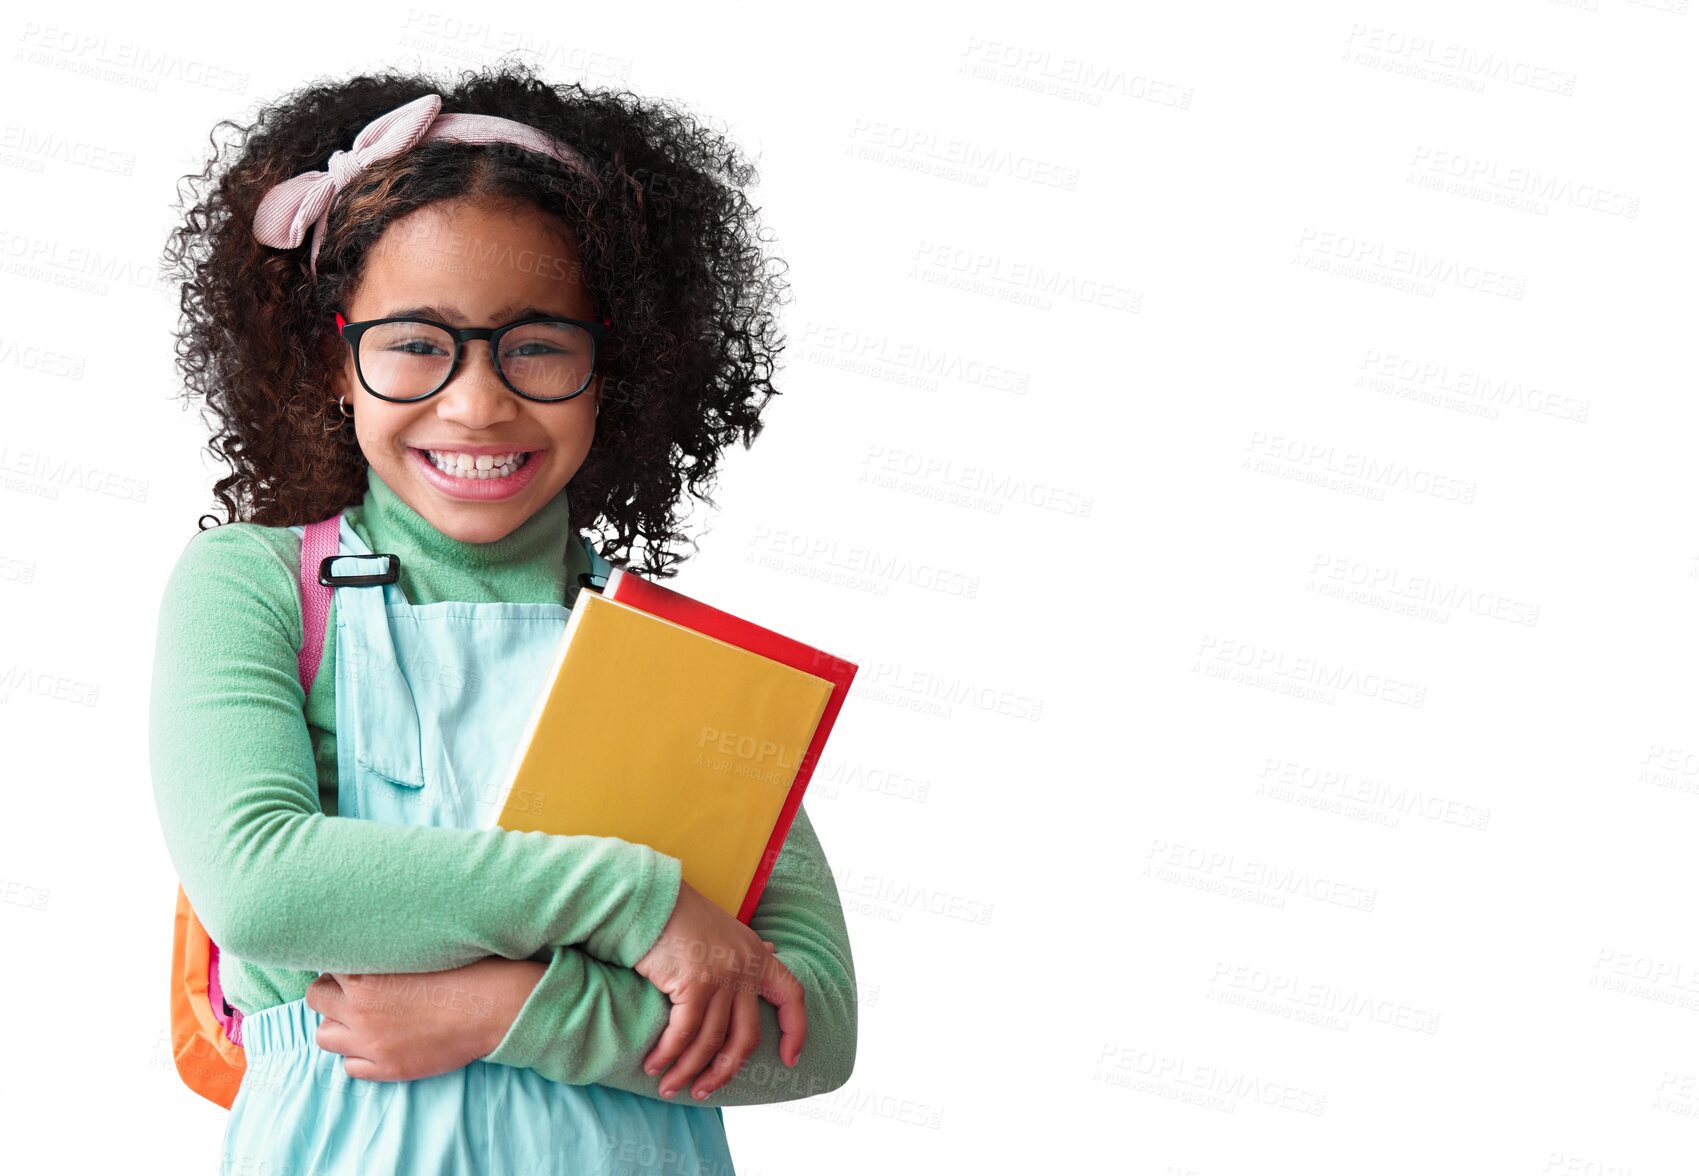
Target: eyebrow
(449, 314)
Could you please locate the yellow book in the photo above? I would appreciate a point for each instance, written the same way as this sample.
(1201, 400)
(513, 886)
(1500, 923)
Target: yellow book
(656, 733)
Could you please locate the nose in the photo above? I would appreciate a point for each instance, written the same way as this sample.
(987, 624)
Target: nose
(475, 397)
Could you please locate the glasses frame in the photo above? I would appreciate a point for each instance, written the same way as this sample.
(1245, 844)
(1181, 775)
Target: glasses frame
(598, 332)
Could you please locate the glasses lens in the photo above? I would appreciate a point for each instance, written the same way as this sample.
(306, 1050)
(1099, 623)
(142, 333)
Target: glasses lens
(547, 359)
(405, 360)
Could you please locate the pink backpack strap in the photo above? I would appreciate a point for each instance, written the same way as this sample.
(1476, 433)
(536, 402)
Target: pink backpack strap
(319, 541)
(227, 1016)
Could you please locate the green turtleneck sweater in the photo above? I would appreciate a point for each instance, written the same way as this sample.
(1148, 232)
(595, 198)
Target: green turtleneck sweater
(245, 782)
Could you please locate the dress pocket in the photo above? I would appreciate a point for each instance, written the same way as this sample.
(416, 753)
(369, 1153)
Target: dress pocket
(402, 776)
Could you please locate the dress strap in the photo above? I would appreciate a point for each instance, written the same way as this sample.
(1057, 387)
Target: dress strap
(597, 577)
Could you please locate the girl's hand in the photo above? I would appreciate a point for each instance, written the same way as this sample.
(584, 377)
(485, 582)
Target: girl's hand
(714, 967)
(393, 1027)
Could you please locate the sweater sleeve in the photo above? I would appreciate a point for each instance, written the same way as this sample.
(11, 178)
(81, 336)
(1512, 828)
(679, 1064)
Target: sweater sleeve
(276, 881)
(589, 1022)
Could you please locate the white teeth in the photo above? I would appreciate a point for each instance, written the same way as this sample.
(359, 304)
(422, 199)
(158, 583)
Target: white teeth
(487, 465)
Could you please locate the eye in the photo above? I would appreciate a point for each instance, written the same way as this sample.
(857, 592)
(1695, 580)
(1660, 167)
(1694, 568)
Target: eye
(532, 348)
(415, 346)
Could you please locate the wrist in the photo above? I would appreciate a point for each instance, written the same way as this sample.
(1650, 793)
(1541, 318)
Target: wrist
(517, 980)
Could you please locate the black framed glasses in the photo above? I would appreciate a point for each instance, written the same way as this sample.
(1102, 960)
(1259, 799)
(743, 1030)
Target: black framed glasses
(539, 358)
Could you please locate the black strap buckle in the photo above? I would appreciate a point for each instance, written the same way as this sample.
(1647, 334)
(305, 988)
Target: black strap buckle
(390, 574)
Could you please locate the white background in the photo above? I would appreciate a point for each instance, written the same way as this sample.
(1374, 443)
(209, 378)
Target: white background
(1247, 449)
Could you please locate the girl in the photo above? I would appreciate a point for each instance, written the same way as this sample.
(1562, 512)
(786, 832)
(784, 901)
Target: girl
(413, 306)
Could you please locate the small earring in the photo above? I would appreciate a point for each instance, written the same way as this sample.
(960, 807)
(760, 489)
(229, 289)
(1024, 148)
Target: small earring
(337, 426)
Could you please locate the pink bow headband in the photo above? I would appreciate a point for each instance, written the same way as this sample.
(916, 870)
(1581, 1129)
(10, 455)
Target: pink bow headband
(300, 205)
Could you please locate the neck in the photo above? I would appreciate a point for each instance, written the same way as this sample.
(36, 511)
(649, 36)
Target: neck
(530, 563)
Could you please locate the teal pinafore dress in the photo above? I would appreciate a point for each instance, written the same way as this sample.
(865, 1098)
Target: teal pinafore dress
(430, 702)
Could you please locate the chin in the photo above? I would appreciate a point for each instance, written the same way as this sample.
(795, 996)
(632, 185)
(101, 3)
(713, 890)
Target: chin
(479, 522)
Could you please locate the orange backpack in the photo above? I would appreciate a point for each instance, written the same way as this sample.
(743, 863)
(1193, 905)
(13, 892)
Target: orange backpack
(206, 1032)
(207, 1057)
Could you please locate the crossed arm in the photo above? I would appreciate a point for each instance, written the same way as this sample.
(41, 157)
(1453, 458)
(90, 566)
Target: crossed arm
(278, 883)
(589, 1021)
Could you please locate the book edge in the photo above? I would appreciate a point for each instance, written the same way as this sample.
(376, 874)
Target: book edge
(540, 705)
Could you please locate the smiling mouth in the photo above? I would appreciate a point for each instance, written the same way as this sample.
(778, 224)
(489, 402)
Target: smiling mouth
(482, 467)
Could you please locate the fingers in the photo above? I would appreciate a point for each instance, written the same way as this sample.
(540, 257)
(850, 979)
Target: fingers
(326, 996)
(702, 1050)
(682, 1027)
(709, 1037)
(356, 1066)
(745, 1035)
(337, 1038)
(365, 1068)
(333, 1036)
(784, 991)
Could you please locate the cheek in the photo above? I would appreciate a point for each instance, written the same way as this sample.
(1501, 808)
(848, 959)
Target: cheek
(574, 435)
(365, 432)
(378, 428)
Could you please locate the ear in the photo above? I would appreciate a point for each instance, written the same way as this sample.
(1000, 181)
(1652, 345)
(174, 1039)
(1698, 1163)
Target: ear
(341, 386)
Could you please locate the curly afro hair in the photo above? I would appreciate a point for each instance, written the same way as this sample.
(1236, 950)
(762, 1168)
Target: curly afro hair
(670, 250)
